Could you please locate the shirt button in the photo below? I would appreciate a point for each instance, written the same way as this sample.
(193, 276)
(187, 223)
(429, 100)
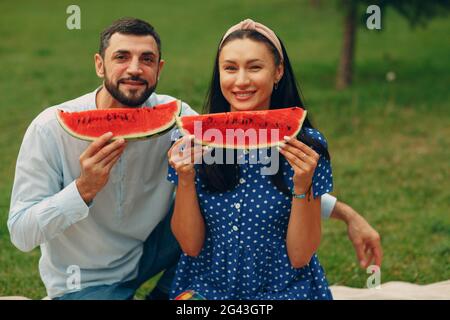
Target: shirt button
(241, 180)
(235, 228)
(237, 205)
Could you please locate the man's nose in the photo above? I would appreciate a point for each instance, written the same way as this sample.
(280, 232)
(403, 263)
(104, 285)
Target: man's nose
(134, 67)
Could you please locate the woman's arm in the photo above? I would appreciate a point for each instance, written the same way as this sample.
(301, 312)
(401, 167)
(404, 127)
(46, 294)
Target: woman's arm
(304, 228)
(304, 231)
(187, 221)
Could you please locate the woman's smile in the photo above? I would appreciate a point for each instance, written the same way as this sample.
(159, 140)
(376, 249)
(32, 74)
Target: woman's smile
(244, 95)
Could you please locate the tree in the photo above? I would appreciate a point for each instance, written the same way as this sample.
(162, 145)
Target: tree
(417, 12)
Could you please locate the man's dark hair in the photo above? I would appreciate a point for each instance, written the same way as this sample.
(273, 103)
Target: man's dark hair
(130, 26)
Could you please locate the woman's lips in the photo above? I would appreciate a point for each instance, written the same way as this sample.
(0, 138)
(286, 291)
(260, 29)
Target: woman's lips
(243, 95)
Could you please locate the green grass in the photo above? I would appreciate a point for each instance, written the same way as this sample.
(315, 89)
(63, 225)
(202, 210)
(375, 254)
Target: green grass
(389, 141)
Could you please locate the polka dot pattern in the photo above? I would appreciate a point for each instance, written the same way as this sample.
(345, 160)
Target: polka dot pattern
(244, 255)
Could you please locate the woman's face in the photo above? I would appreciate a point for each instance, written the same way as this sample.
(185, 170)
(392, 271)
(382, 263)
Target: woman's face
(248, 74)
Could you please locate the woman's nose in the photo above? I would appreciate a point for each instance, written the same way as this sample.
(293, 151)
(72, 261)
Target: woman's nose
(242, 79)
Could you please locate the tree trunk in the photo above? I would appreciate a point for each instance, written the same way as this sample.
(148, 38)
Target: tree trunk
(345, 70)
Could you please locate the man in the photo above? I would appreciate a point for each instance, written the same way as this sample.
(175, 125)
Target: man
(99, 211)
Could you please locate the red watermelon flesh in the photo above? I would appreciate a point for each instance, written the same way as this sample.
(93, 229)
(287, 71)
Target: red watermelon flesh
(127, 123)
(244, 129)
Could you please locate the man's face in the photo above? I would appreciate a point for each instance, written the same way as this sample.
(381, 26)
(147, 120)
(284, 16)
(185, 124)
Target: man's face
(130, 68)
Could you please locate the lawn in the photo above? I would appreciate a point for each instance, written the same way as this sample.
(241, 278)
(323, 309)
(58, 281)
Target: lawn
(389, 140)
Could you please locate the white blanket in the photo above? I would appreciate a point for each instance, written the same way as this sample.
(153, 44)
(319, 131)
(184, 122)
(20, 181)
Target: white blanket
(395, 290)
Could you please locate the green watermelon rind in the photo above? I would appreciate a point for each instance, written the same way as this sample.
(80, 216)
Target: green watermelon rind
(136, 136)
(184, 132)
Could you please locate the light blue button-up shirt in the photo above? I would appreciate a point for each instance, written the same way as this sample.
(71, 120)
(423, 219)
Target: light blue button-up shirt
(104, 240)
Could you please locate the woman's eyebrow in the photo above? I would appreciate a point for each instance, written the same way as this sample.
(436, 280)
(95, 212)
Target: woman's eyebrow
(249, 61)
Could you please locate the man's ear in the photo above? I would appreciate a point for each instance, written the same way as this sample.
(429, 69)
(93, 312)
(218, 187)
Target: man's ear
(99, 65)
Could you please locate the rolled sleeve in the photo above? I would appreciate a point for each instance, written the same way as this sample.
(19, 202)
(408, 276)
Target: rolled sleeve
(327, 205)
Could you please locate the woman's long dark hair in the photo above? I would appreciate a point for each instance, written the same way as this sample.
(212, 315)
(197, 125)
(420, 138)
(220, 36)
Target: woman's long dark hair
(224, 177)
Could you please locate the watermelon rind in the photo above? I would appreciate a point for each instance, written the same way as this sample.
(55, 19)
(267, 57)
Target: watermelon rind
(163, 129)
(232, 146)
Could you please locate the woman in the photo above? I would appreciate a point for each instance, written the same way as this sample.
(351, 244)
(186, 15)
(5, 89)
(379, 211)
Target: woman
(246, 235)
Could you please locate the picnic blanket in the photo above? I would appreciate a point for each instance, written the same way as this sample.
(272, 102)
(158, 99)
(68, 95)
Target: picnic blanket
(395, 290)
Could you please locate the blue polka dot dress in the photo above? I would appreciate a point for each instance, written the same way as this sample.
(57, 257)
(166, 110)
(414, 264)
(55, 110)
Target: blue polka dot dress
(244, 255)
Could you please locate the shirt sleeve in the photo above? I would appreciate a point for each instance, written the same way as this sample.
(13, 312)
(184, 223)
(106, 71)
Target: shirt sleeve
(186, 110)
(41, 208)
(322, 181)
(327, 205)
(172, 175)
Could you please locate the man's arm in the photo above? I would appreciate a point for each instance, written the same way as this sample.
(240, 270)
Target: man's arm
(40, 208)
(366, 240)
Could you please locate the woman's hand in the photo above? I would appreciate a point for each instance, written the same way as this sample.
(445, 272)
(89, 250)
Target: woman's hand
(303, 160)
(182, 157)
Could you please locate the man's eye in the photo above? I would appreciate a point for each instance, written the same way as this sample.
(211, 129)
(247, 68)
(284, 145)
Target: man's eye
(147, 59)
(120, 57)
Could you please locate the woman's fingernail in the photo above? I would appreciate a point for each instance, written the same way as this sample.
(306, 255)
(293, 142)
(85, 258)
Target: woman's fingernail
(282, 144)
(287, 138)
(279, 149)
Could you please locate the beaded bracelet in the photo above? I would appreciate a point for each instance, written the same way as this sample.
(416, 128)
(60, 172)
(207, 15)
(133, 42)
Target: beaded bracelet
(303, 195)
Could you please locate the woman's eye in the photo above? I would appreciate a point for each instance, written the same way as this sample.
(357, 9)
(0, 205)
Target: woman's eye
(230, 68)
(255, 67)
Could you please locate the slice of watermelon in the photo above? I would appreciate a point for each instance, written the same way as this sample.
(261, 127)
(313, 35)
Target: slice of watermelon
(244, 129)
(127, 123)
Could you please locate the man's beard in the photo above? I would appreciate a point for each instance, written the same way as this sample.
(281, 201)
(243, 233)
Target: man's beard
(134, 99)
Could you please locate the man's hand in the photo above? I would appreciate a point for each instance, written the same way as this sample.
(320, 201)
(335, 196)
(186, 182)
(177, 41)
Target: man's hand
(365, 239)
(96, 163)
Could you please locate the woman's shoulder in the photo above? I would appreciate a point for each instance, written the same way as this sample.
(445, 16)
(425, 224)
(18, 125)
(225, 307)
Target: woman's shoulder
(315, 135)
